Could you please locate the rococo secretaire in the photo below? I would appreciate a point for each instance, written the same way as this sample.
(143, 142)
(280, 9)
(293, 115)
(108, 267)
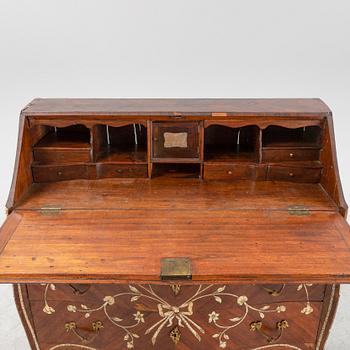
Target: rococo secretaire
(176, 224)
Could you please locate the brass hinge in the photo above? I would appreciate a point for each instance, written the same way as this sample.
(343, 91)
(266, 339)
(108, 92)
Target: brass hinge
(175, 269)
(50, 210)
(298, 211)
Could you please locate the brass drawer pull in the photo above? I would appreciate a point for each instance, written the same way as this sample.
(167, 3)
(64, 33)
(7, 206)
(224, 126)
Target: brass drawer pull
(96, 328)
(280, 327)
(80, 289)
(275, 292)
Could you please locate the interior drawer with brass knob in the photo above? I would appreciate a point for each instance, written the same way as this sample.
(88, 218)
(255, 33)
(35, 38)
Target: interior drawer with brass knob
(120, 170)
(53, 173)
(293, 173)
(289, 154)
(234, 171)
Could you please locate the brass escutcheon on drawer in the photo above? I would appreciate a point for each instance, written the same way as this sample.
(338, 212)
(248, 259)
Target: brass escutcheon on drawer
(259, 327)
(96, 328)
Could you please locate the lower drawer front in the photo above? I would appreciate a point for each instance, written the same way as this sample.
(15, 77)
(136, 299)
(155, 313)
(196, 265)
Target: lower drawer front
(294, 174)
(159, 317)
(233, 171)
(53, 173)
(121, 170)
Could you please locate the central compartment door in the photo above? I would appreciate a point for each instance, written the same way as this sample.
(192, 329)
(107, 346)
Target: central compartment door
(175, 141)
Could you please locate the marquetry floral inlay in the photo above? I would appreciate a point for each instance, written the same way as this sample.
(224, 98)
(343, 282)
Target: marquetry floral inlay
(47, 308)
(308, 309)
(181, 315)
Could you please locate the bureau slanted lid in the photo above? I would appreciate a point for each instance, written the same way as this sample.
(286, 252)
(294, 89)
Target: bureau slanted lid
(301, 107)
(256, 246)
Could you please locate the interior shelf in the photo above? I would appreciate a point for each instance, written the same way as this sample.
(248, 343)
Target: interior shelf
(279, 137)
(123, 154)
(226, 144)
(76, 137)
(125, 144)
(236, 154)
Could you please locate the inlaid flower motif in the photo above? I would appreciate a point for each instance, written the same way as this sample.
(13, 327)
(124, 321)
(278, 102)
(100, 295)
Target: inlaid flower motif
(181, 314)
(109, 300)
(49, 310)
(223, 344)
(139, 317)
(308, 309)
(242, 300)
(213, 317)
(281, 308)
(72, 308)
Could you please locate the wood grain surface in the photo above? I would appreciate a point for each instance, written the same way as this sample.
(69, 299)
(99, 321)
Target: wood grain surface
(232, 246)
(191, 194)
(164, 106)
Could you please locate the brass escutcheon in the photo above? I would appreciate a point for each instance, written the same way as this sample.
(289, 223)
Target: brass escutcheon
(275, 292)
(175, 335)
(280, 326)
(96, 327)
(176, 288)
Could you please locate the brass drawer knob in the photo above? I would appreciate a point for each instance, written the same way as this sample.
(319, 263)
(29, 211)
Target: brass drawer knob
(229, 172)
(291, 155)
(80, 289)
(59, 173)
(291, 174)
(95, 326)
(260, 328)
(275, 292)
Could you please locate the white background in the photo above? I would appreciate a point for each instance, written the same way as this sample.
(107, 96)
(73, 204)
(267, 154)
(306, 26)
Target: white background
(179, 48)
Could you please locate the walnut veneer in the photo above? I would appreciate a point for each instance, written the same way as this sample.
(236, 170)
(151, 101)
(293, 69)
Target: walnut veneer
(176, 224)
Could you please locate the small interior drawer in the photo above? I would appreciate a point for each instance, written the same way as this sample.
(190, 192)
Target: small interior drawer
(59, 156)
(230, 171)
(294, 174)
(292, 154)
(121, 170)
(52, 173)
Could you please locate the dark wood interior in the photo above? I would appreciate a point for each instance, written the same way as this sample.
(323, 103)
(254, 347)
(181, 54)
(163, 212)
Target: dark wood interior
(223, 150)
(279, 137)
(124, 144)
(226, 144)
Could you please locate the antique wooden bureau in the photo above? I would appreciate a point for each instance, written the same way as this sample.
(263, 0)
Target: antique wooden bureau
(176, 224)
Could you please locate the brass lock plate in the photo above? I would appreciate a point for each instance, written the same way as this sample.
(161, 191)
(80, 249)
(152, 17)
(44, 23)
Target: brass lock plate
(175, 269)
